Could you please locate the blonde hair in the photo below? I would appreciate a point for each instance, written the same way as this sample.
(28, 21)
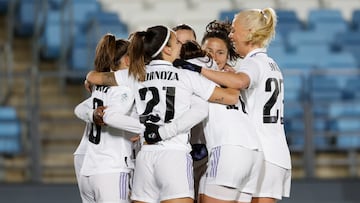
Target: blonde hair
(261, 23)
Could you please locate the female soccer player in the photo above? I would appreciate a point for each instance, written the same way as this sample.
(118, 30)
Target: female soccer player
(105, 171)
(163, 169)
(261, 82)
(216, 41)
(225, 179)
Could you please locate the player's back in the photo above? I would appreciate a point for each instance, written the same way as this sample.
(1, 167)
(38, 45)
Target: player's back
(166, 94)
(265, 98)
(109, 149)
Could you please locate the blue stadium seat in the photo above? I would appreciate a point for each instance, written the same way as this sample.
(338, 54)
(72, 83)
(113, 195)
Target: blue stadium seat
(98, 24)
(10, 142)
(294, 88)
(320, 124)
(80, 59)
(298, 62)
(3, 6)
(10, 131)
(105, 22)
(277, 47)
(56, 4)
(352, 87)
(25, 18)
(323, 142)
(309, 37)
(348, 109)
(327, 21)
(338, 60)
(325, 88)
(355, 19)
(82, 11)
(324, 15)
(316, 51)
(349, 42)
(277, 52)
(288, 21)
(50, 46)
(346, 141)
(7, 113)
(345, 124)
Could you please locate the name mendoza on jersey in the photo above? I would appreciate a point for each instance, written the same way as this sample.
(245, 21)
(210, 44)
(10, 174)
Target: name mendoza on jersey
(162, 75)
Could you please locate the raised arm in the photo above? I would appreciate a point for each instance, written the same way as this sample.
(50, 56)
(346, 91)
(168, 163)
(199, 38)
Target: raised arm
(101, 78)
(229, 79)
(198, 111)
(84, 110)
(119, 107)
(228, 96)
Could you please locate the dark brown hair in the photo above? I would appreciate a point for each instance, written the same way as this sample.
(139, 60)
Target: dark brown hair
(184, 27)
(221, 30)
(192, 49)
(109, 52)
(143, 46)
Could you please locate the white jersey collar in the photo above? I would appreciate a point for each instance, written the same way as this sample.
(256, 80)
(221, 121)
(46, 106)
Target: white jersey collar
(160, 62)
(255, 52)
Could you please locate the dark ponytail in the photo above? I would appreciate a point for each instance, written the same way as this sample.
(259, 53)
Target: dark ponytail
(144, 47)
(103, 53)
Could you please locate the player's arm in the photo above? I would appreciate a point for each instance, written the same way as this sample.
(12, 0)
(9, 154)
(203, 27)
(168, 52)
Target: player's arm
(116, 119)
(116, 115)
(101, 78)
(228, 96)
(228, 79)
(84, 110)
(198, 111)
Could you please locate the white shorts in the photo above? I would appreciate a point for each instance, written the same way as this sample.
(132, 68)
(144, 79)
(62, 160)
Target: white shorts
(78, 161)
(241, 175)
(106, 188)
(162, 175)
(274, 182)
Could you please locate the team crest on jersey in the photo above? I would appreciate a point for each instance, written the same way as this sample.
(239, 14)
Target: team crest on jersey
(162, 75)
(124, 96)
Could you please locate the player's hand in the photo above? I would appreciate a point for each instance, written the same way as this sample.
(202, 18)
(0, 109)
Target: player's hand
(87, 85)
(198, 152)
(187, 65)
(135, 138)
(98, 115)
(228, 68)
(151, 133)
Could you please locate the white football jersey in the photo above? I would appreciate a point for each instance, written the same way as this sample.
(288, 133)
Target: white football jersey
(229, 125)
(166, 94)
(109, 149)
(265, 100)
(204, 62)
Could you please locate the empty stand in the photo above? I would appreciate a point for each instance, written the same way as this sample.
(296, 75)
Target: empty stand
(349, 42)
(302, 8)
(51, 38)
(10, 131)
(288, 21)
(25, 17)
(338, 60)
(355, 19)
(4, 6)
(346, 7)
